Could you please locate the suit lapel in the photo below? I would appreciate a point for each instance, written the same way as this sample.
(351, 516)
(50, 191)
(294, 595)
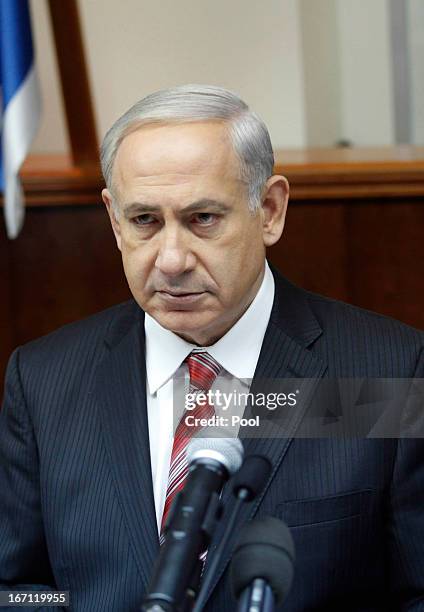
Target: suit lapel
(284, 355)
(121, 383)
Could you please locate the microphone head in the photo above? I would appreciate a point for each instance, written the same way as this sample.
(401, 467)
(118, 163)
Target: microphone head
(265, 549)
(227, 451)
(252, 476)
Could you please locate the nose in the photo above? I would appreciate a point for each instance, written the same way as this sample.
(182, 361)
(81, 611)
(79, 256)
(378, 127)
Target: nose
(174, 256)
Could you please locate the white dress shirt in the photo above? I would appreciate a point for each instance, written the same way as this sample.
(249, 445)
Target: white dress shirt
(237, 352)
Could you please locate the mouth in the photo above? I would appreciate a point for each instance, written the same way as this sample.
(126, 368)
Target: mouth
(180, 297)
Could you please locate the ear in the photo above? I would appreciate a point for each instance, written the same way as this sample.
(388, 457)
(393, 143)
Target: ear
(274, 208)
(108, 200)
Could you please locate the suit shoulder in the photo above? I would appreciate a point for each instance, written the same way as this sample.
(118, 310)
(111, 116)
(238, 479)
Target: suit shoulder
(332, 311)
(332, 314)
(365, 342)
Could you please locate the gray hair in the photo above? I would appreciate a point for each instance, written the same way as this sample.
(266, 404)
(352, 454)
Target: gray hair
(189, 103)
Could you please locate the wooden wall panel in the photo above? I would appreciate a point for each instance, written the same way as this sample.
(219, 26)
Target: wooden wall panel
(65, 264)
(7, 335)
(68, 267)
(386, 258)
(359, 245)
(313, 251)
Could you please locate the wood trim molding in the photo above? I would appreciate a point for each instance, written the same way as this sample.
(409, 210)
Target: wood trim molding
(53, 180)
(388, 172)
(393, 172)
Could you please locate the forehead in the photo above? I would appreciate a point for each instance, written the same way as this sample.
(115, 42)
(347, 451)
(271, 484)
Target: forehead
(174, 152)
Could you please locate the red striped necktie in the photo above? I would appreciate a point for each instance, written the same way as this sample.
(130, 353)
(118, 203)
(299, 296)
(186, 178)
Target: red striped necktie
(203, 370)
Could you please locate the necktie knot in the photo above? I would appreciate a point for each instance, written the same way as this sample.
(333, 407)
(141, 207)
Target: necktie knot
(203, 369)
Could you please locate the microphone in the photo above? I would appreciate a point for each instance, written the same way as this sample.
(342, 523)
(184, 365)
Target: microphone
(262, 565)
(191, 522)
(247, 484)
(252, 477)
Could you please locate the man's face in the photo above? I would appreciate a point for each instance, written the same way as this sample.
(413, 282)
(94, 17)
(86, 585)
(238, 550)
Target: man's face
(193, 253)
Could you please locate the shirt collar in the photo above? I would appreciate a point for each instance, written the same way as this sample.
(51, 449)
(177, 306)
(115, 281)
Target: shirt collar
(237, 351)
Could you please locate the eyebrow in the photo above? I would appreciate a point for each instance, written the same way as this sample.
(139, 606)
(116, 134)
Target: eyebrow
(210, 204)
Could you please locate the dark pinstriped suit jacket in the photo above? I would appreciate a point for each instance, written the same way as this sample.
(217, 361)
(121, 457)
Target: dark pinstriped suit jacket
(77, 508)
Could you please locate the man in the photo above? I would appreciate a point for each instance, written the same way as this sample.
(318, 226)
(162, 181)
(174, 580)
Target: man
(86, 432)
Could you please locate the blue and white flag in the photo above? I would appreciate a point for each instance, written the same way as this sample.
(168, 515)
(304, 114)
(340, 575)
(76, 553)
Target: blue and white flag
(19, 103)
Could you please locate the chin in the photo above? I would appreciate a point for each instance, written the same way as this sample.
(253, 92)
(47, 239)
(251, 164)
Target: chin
(184, 323)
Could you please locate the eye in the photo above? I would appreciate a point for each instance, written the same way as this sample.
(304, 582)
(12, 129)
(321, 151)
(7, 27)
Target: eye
(204, 218)
(144, 219)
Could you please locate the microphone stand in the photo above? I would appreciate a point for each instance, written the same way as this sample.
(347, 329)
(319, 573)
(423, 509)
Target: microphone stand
(242, 496)
(258, 597)
(248, 483)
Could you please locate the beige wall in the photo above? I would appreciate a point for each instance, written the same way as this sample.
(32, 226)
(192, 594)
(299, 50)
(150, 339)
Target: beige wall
(321, 60)
(365, 68)
(317, 71)
(51, 137)
(416, 50)
(135, 47)
(347, 67)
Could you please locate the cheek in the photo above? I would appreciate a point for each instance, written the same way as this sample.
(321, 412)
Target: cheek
(235, 275)
(136, 266)
(244, 253)
(242, 266)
